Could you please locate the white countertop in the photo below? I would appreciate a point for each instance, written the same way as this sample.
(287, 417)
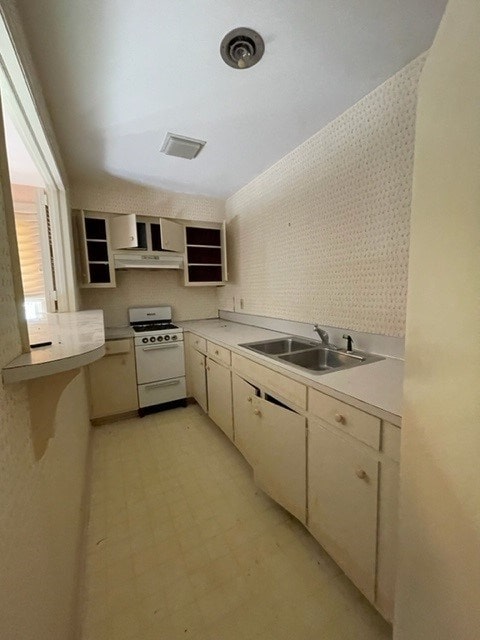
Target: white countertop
(78, 338)
(118, 333)
(378, 385)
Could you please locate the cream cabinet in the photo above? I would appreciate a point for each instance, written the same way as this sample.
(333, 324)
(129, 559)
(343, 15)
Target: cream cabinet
(94, 256)
(244, 421)
(112, 380)
(280, 441)
(130, 231)
(219, 385)
(272, 437)
(342, 503)
(198, 378)
(388, 520)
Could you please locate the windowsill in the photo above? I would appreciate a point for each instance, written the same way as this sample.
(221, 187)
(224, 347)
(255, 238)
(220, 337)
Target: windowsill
(78, 338)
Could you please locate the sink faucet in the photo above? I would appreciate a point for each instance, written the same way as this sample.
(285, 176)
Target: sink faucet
(324, 337)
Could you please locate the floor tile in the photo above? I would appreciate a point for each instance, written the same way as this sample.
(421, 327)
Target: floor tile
(182, 544)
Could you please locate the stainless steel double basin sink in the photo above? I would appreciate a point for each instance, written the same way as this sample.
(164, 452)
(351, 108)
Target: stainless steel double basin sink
(310, 355)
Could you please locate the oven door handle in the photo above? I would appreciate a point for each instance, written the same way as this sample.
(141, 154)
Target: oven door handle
(161, 346)
(167, 383)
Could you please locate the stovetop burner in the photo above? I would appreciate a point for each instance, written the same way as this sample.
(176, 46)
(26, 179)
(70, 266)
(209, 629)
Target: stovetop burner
(154, 326)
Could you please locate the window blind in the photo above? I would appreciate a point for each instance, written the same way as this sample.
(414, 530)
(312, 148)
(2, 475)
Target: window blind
(29, 249)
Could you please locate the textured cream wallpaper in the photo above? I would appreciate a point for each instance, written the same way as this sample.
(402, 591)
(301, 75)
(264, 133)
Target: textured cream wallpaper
(144, 288)
(323, 235)
(120, 196)
(40, 514)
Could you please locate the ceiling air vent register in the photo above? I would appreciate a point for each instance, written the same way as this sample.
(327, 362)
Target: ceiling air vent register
(181, 147)
(242, 48)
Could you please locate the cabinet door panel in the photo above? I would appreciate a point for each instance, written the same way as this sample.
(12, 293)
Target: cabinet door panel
(244, 420)
(224, 251)
(342, 504)
(172, 235)
(387, 537)
(198, 379)
(112, 381)
(281, 466)
(219, 381)
(123, 230)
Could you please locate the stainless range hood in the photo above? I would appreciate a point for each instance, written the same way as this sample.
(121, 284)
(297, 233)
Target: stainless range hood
(153, 260)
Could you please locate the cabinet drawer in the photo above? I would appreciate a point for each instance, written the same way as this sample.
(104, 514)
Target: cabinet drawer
(198, 343)
(219, 353)
(287, 388)
(114, 347)
(357, 423)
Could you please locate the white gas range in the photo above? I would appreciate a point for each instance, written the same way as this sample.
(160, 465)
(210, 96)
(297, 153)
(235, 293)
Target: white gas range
(159, 355)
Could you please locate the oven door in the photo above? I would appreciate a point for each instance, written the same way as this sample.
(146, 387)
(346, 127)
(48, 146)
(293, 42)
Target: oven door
(159, 362)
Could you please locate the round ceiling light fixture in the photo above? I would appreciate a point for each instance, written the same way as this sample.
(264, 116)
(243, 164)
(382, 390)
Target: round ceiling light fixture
(242, 48)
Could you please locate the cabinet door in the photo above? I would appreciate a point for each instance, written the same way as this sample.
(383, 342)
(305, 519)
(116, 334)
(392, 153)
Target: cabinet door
(124, 231)
(280, 468)
(112, 380)
(342, 504)
(172, 235)
(95, 263)
(219, 381)
(387, 537)
(244, 420)
(198, 379)
(224, 252)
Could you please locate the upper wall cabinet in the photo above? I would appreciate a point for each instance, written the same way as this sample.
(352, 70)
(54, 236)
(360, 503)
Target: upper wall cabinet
(156, 234)
(128, 233)
(205, 255)
(202, 244)
(95, 257)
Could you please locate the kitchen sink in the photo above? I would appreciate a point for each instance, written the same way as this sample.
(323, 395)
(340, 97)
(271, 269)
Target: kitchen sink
(310, 355)
(280, 345)
(324, 359)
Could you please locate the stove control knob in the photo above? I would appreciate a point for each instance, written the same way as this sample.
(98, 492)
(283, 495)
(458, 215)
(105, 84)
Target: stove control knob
(167, 337)
(174, 337)
(152, 339)
(160, 339)
(144, 340)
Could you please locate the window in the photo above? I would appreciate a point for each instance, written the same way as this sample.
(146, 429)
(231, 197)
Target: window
(41, 213)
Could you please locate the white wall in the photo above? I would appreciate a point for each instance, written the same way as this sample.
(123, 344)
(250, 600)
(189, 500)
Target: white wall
(41, 514)
(322, 236)
(143, 288)
(438, 591)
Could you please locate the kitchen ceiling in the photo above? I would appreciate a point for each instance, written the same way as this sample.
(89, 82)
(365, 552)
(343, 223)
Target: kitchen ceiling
(118, 75)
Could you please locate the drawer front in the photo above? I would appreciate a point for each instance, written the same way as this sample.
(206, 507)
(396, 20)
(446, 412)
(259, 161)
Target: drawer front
(160, 392)
(198, 343)
(357, 423)
(288, 389)
(219, 353)
(113, 347)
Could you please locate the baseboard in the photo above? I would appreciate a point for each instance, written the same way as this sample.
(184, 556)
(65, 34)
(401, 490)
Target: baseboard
(98, 422)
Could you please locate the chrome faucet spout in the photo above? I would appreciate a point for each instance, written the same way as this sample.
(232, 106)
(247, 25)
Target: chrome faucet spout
(324, 337)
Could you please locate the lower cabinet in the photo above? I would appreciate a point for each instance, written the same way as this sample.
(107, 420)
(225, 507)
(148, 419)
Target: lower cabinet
(280, 439)
(342, 503)
(219, 384)
(198, 379)
(339, 476)
(112, 380)
(272, 438)
(244, 423)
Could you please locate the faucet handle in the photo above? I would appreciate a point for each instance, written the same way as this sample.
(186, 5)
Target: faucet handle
(349, 340)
